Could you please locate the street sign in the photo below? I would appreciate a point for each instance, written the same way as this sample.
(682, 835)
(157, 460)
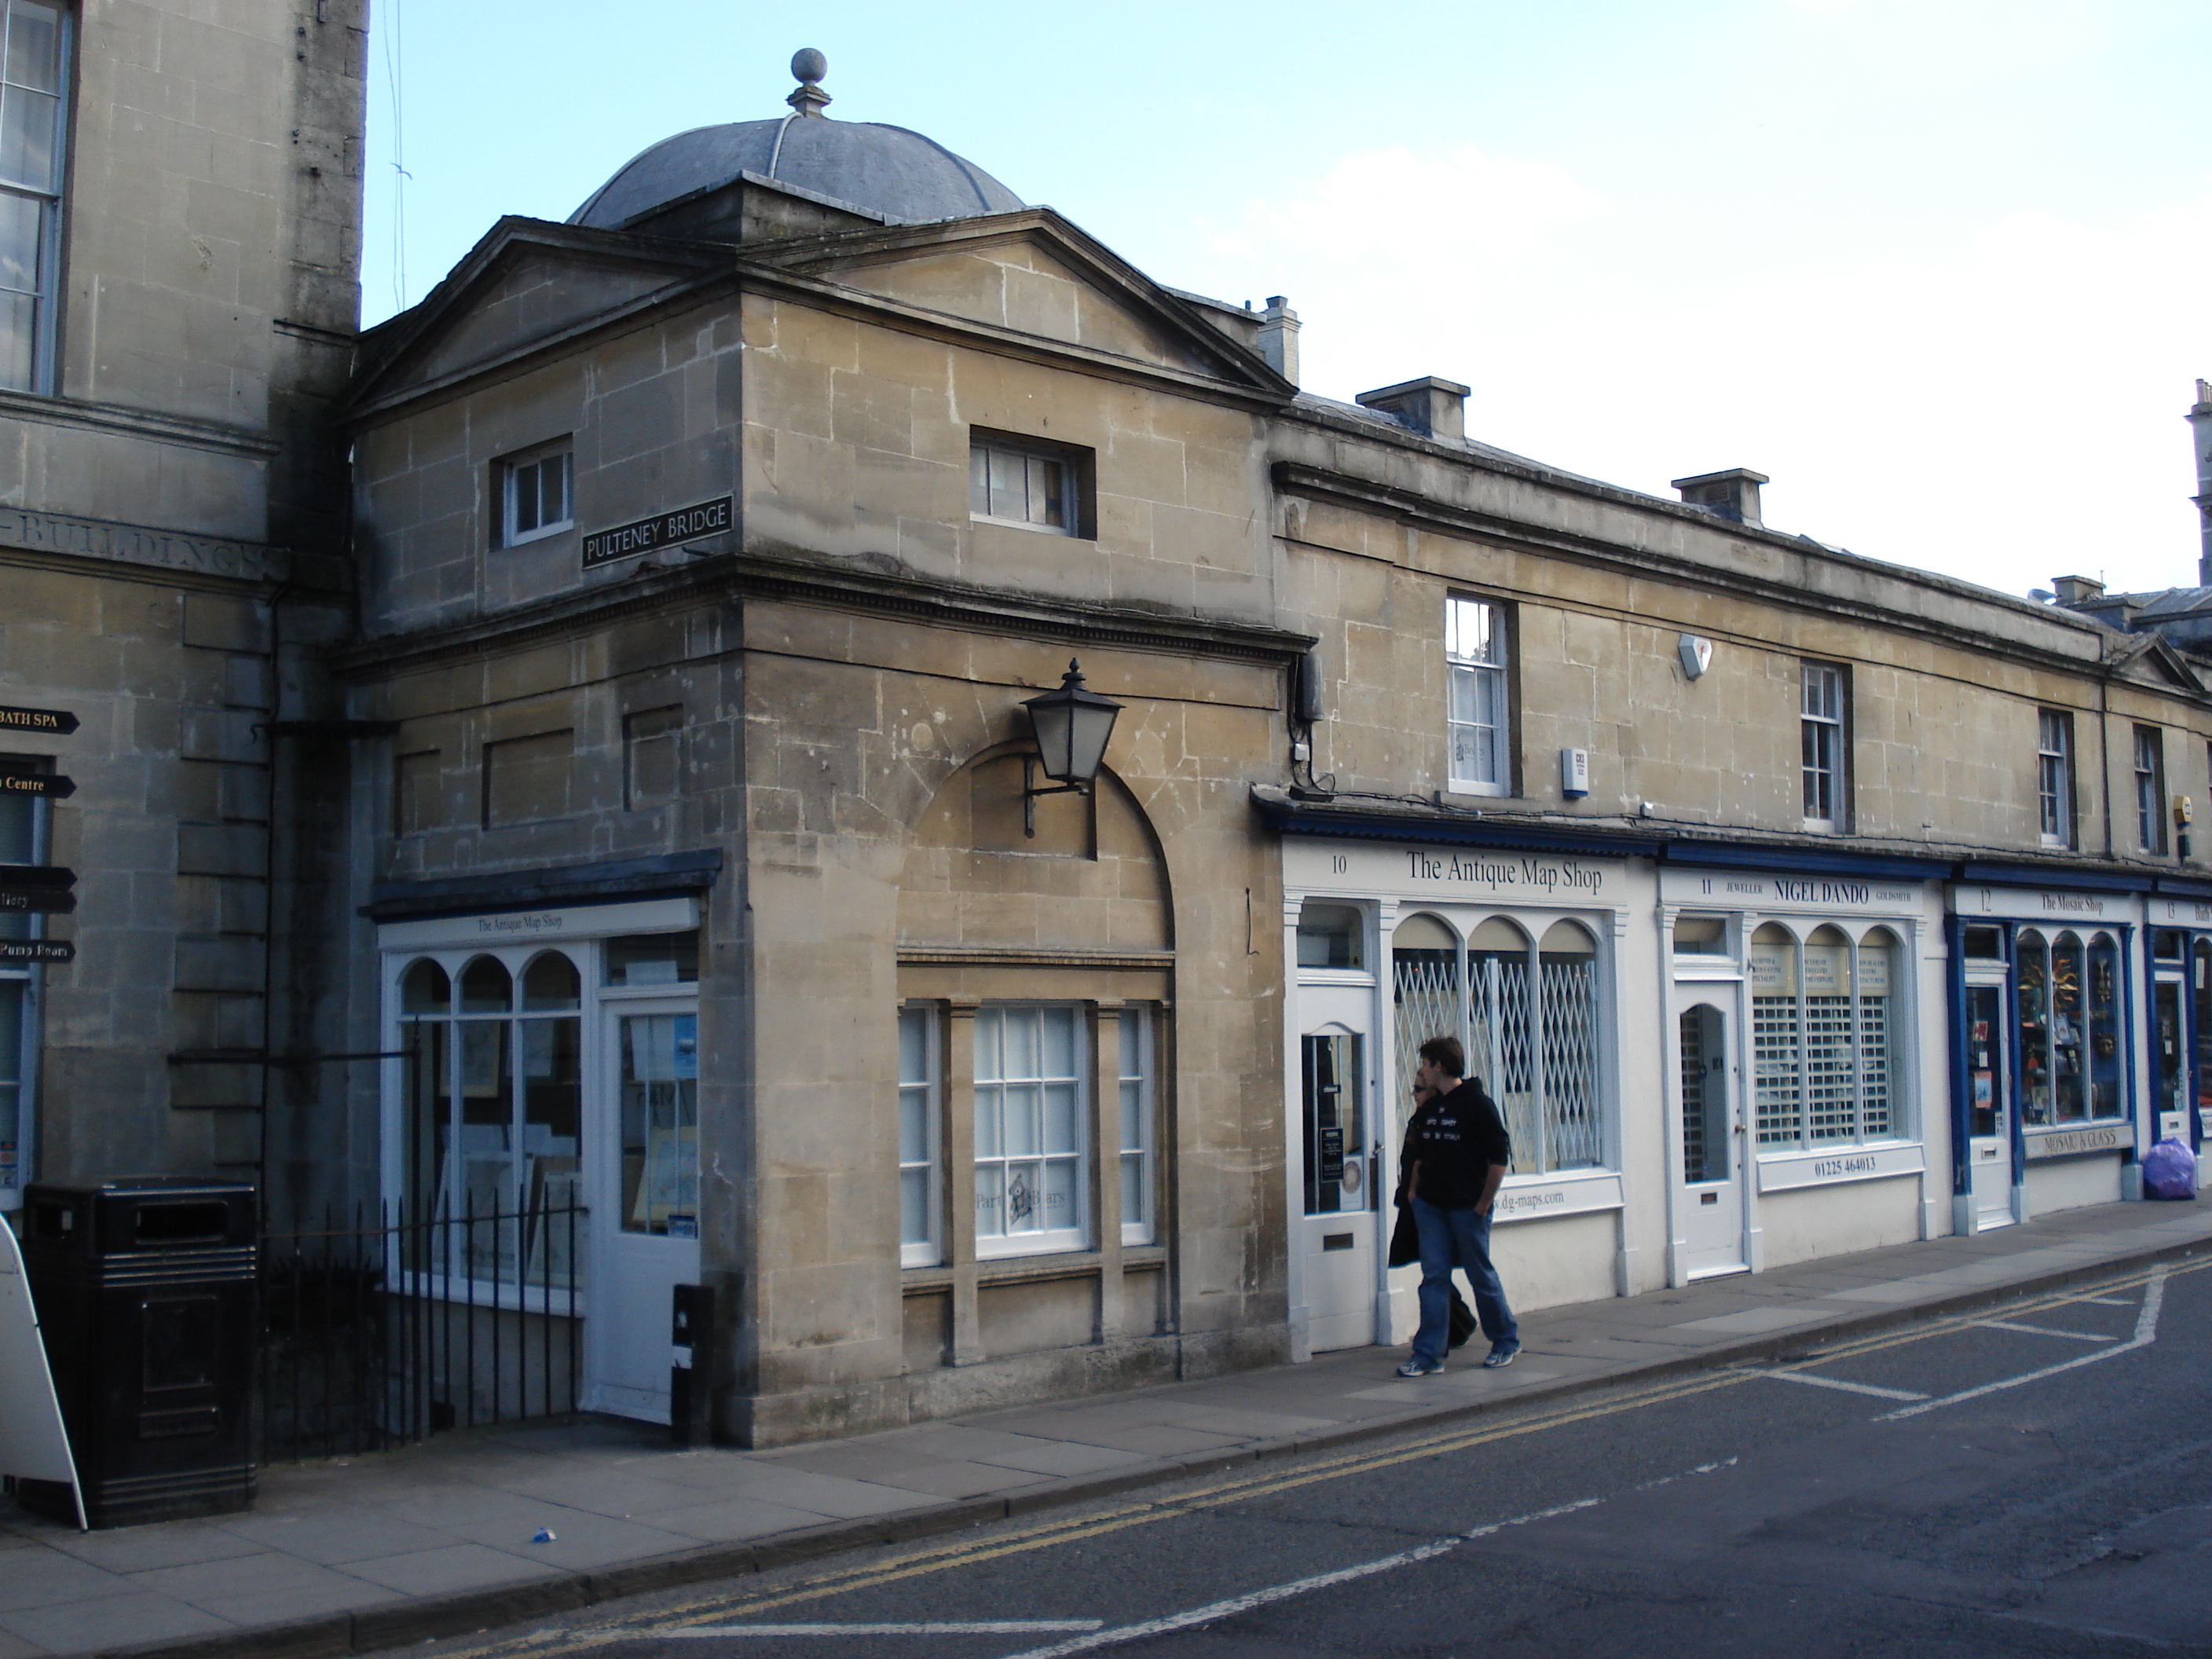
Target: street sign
(36, 901)
(17, 952)
(58, 721)
(52, 785)
(18, 876)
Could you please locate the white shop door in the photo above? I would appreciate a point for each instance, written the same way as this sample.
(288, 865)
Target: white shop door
(1989, 1109)
(645, 1216)
(1335, 1236)
(1709, 1201)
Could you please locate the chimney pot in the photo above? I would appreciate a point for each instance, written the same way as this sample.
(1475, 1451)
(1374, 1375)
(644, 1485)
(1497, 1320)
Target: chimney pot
(1733, 494)
(1278, 337)
(1432, 407)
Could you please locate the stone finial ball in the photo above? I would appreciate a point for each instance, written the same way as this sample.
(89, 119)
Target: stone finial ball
(809, 65)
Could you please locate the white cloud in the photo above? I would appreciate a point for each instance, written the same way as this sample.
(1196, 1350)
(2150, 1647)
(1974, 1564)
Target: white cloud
(1999, 400)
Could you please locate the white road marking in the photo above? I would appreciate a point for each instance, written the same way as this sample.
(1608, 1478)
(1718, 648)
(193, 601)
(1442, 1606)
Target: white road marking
(1260, 1598)
(956, 1627)
(2041, 1330)
(1810, 1381)
(2146, 1333)
(2105, 1301)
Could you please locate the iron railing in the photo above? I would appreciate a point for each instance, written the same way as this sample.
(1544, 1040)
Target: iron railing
(382, 1333)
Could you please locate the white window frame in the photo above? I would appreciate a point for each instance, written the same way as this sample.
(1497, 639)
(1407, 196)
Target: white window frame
(1477, 669)
(927, 1090)
(509, 470)
(1036, 466)
(1824, 716)
(2150, 790)
(45, 290)
(2054, 777)
(1139, 1122)
(1897, 1093)
(598, 1084)
(1040, 1241)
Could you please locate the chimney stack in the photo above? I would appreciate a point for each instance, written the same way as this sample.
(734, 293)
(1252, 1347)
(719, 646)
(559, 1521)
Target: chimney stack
(1278, 337)
(2200, 428)
(1733, 494)
(2074, 592)
(1433, 408)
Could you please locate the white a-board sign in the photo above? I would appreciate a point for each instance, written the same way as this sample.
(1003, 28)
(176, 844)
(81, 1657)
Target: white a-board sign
(34, 1445)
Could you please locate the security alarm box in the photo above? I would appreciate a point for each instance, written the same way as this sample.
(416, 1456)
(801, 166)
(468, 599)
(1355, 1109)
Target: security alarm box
(1574, 773)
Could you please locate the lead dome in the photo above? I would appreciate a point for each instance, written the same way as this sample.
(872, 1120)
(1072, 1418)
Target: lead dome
(904, 176)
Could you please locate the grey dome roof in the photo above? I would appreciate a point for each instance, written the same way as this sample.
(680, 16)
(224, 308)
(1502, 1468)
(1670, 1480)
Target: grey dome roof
(907, 177)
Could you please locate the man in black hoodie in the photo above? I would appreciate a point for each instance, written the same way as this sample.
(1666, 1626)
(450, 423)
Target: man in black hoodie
(1457, 1151)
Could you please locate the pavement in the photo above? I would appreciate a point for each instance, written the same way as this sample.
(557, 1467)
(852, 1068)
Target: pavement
(352, 1555)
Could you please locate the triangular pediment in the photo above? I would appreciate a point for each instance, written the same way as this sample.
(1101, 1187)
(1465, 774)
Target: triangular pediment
(526, 285)
(1033, 273)
(2150, 660)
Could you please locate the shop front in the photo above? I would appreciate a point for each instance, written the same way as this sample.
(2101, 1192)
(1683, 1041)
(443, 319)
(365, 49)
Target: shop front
(2179, 935)
(1517, 953)
(541, 1130)
(1795, 1065)
(2045, 1078)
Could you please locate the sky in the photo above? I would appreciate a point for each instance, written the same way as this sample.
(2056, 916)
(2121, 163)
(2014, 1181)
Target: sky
(1939, 268)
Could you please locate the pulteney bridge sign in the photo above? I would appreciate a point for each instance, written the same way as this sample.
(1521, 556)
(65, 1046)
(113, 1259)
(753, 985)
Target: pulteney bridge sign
(627, 541)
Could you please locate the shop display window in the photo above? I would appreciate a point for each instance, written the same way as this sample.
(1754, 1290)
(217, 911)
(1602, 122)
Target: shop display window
(1825, 1060)
(2071, 1063)
(1526, 1010)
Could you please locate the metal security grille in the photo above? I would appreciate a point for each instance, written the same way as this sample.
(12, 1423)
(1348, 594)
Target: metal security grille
(1569, 985)
(1693, 1096)
(1426, 984)
(1774, 1044)
(1828, 1080)
(1498, 994)
(1531, 1036)
(1873, 1067)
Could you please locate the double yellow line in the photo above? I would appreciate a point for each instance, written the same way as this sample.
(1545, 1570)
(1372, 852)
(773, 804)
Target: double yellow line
(1051, 1534)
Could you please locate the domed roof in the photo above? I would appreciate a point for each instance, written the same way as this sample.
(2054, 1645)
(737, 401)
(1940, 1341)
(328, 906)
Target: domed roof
(907, 177)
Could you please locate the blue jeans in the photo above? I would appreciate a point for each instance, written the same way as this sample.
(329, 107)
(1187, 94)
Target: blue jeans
(1461, 1237)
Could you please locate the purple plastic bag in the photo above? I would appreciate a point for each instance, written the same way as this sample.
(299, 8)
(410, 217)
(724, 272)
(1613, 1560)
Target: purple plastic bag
(2169, 1170)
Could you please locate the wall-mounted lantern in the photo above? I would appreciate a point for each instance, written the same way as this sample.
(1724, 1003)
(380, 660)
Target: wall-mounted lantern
(1073, 726)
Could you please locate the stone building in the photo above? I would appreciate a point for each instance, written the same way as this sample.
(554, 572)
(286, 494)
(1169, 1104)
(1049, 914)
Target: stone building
(711, 544)
(178, 301)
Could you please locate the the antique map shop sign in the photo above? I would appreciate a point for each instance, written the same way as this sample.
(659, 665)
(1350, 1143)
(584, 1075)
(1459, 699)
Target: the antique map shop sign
(627, 541)
(58, 721)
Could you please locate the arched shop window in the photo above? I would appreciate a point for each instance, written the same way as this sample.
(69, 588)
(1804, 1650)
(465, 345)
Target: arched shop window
(492, 1123)
(1825, 1060)
(2070, 1027)
(1526, 1010)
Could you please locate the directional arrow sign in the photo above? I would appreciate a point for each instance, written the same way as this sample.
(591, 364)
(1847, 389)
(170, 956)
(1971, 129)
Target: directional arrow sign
(18, 876)
(42, 900)
(20, 950)
(59, 721)
(51, 785)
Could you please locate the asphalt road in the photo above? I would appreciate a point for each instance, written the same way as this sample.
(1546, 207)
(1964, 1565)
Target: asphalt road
(2031, 1480)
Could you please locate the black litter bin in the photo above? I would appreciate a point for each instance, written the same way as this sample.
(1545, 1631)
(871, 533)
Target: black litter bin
(144, 1289)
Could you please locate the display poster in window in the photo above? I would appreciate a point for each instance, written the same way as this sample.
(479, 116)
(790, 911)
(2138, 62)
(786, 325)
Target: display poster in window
(1773, 970)
(1828, 971)
(1874, 973)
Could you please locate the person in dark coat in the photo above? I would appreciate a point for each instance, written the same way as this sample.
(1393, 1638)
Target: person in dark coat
(1457, 1151)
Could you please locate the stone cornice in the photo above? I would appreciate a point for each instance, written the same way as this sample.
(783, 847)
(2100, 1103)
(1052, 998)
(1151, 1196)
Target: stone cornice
(152, 427)
(771, 573)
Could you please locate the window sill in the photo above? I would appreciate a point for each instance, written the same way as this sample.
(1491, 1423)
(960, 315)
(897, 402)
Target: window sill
(1031, 1269)
(543, 533)
(1034, 529)
(1470, 795)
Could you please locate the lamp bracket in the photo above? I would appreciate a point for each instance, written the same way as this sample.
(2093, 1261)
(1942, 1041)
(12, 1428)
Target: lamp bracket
(1030, 792)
